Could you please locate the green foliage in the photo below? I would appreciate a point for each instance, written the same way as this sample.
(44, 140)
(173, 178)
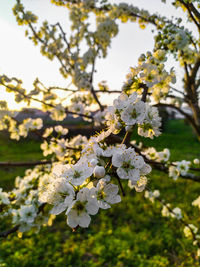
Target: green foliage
(132, 233)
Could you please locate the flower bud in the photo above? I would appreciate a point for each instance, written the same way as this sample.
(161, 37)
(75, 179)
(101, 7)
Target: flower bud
(93, 162)
(196, 161)
(99, 171)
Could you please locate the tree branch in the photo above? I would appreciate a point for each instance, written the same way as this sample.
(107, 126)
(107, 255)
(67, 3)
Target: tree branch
(176, 108)
(195, 69)
(21, 164)
(161, 166)
(194, 10)
(47, 104)
(176, 90)
(10, 231)
(180, 220)
(121, 187)
(188, 6)
(91, 81)
(16, 227)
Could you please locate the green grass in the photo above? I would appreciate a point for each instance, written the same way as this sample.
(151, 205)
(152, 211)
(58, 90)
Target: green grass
(132, 233)
(178, 137)
(10, 150)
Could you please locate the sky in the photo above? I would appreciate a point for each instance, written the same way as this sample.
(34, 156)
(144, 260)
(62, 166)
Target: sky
(20, 58)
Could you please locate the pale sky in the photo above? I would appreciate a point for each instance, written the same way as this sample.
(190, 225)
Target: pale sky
(20, 58)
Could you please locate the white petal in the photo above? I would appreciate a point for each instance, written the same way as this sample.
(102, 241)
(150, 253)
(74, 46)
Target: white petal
(92, 207)
(134, 175)
(68, 200)
(78, 181)
(122, 173)
(111, 189)
(145, 169)
(117, 160)
(114, 199)
(72, 219)
(84, 220)
(83, 194)
(103, 205)
(138, 162)
(58, 208)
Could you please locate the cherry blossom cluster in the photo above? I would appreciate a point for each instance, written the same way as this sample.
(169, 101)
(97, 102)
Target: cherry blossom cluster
(86, 184)
(173, 37)
(80, 104)
(78, 205)
(152, 154)
(174, 213)
(81, 189)
(56, 144)
(180, 168)
(128, 111)
(175, 169)
(151, 73)
(177, 40)
(16, 129)
(57, 113)
(22, 204)
(82, 182)
(190, 230)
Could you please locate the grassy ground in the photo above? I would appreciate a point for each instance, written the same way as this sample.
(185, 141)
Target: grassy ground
(132, 233)
(10, 150)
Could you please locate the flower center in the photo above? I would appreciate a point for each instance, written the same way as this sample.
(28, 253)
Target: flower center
(29, 214)
(79, 207)
(101, 195)
(127, 165)
(134, 114)
(77, 174)
(146, 126)
(150, 116)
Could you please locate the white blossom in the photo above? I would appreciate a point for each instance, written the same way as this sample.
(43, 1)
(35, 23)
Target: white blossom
(80, 210)
(93, 162)
(151, 123)
(27, 213)
(4, 198)
(176, 213)
(183, 166)
(139, 185)
(106, 194)
(61, 130)
(196, 202)
(165, 210)
(78, 173)
(134, 113)
(61, 195)
(188, 230)
(128, 164)
(58, 113)
(174, 172)
(151, 195)
(48, 132)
